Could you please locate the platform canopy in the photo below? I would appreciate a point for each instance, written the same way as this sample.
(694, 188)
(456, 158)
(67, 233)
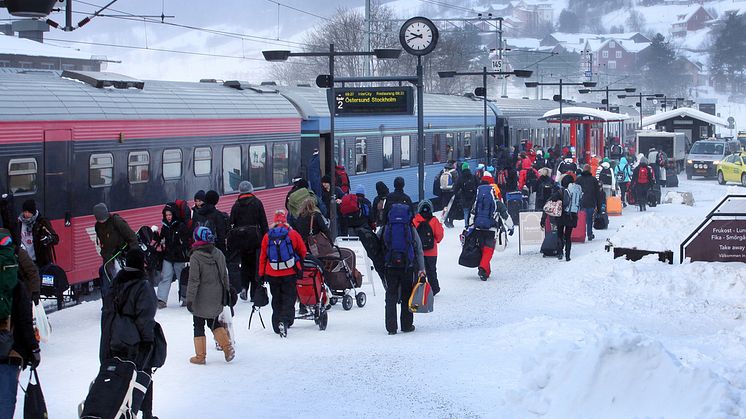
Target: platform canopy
(579, 113)
(683, 113)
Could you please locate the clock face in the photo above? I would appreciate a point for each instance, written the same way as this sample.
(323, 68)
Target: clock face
(418, 36)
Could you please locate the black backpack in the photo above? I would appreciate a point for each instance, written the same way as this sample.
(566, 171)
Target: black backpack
(469, 189)
(605, 176)
(427, 237)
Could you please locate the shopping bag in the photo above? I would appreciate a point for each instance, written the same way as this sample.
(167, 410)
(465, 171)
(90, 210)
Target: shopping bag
(42, 322)
(226, 319)
(34, 406)
(421, 299)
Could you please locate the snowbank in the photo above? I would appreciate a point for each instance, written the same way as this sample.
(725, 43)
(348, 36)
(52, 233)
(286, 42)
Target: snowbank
(612, 372)
(655, 231)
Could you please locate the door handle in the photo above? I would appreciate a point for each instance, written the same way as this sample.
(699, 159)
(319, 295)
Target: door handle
(68, 219)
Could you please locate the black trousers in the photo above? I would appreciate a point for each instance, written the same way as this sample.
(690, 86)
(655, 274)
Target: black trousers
(641, 193)
(199, 325)
(249, 268)
(623, 190)
(399, 287)
(431, 271)
(563, 235)
(283, 300)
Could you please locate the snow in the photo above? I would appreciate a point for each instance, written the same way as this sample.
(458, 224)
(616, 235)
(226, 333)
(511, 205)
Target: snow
(19, 46)
(688, 112)
(585, 112)
(594, 337)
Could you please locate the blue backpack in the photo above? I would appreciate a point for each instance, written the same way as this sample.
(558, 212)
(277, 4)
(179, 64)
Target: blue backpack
(280, 252)
(397, 238)
(484, 208)
(364, 209)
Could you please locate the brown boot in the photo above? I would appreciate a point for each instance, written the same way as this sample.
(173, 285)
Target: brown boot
(200, 348)
(221, 335)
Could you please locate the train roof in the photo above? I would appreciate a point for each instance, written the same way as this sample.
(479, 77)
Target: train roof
(47, 95)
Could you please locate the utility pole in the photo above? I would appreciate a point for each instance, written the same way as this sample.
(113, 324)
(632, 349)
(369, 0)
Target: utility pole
(368, 63)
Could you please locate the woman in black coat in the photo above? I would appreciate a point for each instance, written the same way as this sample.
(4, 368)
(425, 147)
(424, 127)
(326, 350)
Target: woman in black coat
(309, 212)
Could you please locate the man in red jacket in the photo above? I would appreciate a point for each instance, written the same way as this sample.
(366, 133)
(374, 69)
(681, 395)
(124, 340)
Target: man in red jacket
(280, 264)
(430, 231)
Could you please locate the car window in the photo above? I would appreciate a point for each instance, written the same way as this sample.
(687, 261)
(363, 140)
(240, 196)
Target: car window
(743, 159)
(707, 148)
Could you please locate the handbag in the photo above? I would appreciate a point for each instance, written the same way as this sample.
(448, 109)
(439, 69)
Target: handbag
(553, 208)
(261, 298)
(34, 406)
(421, 299)
(318, 244)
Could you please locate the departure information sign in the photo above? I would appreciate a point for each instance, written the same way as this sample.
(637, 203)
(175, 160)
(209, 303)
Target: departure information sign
(352, 101)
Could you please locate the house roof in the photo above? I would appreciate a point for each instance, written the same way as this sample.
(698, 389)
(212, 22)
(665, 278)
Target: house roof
(577, 112)
(684, 112)
(684, 17)
(13, 45)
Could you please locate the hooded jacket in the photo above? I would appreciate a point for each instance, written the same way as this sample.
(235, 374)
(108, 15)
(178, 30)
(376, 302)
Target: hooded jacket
(435, 225)
(382, 191)
(465, 194)
(44, 238)
(624, 168)
(591, 188)
(211, 217)
(175, 236)
(208, 281)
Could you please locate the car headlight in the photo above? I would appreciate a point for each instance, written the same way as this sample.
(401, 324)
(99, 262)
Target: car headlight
(689, 162)
(716, 162)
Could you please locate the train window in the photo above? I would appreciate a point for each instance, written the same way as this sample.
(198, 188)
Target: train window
(467, 145)
(22, 176)
(280, 164)
(172, 163)
(257, 165)
(405, 151)
(202, 161)
(436, 148)
(232, 175)
(100, 170)
(361, 155)
(449, 147)
(138, 166)
(388, 153)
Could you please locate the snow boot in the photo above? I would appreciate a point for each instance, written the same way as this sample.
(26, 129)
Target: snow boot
(200, 348)
(244, 294)
(221, 335)
(482, 274)
(283, 330)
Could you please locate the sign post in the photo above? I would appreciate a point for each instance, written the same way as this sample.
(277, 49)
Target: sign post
(529, 229)
(722, 235)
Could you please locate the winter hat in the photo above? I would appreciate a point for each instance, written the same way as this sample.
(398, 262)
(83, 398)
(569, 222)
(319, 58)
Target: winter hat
(360, 190)
(280, 217)
(399, 183)
(382, 189)
(326, 179)
(200, 195)
(300, 182)
(606, 160)
(606, 165)
(204, 234)
(101, 212)
(643, 160)
(29, 205)
(212, 197)
(490, 169)
(545, 171)
(546, 155)
(425, 208)
(135, 260)
(464, 166)
(245, 187)
(480, 166)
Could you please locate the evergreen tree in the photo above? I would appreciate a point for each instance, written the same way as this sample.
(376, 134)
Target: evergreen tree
(568, 22)
(659, 68)
(728, 52)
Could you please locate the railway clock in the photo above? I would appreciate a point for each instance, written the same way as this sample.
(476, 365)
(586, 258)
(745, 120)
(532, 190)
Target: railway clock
(418, 36)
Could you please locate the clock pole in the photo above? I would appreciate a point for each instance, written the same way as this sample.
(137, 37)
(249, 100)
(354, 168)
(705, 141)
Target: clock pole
(420, 131)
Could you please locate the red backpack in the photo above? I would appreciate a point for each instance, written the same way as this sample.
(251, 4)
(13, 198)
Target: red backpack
(185, 214)
(343, 181)
(349, 205)
(643, 176)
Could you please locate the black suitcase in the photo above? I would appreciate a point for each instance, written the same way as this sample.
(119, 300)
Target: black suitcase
(471, 253)
(601, 221)
(550, 245)
(654, 195)
(117, 392)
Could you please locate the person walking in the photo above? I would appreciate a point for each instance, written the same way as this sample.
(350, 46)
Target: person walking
(175, 237)
(623, 176)
(396, 197)
(128, 321)
(446, 181)
(545, 186)
(490, 215)
(208, 286)
(465, 190)
(591, 200)
(382, 191)
(571, 198)
(38, 238)
(431, 233)
(248, 225)
(642, 177)
(209, 216)
(114, 237)
(403, 259)
(280, 264)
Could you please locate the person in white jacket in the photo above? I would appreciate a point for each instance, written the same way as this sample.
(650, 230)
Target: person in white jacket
(605, 176)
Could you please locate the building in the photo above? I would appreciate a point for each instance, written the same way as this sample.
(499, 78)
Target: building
(577, 41)
(522, 18)
(695, 18)
(613, 55)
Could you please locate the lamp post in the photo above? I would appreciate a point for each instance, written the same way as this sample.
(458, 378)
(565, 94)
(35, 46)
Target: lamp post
(608, 105)
(328, 82)
(559, 97)
(641, 95)
(482, 91)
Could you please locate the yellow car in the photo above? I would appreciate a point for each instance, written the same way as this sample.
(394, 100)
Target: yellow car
(733, 169)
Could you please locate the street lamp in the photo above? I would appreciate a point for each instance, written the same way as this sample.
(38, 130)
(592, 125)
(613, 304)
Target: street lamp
(483, 92)
(282, 55)
(559, 97)
(641, 95)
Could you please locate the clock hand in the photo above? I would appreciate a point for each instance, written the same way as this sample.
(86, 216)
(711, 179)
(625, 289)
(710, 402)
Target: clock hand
(415, 36)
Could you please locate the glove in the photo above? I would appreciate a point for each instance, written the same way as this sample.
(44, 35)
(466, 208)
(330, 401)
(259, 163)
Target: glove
(510, 232)
(189, 306)
(35, 298)
(35, 358)
(261, 281)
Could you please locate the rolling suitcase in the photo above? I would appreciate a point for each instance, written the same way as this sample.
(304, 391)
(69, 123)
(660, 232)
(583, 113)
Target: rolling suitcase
(550, 245)
(614, 205)
(601, 220)
(578, 233)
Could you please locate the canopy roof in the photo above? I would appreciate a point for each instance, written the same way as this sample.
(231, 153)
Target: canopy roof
(581, 113)
(684, 112)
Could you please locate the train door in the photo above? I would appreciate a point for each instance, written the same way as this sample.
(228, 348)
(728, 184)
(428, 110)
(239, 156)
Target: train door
(58, 192)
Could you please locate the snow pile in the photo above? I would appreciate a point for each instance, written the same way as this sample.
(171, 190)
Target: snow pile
(655, 231)
(612, 372)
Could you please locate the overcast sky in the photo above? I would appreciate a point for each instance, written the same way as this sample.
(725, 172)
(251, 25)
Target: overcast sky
(228, 57)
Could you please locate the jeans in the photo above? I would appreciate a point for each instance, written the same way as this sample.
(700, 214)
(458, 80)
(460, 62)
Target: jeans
(8, 389)
(467, 215)
(169, 271)
(589, 212)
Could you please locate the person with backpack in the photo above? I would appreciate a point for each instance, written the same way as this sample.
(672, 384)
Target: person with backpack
(446, 182)
(18, 345)
(466, 191)
(355, 211)
(403, 259)
(326, 196)
(396, 197)
(642, 178)
(295, 197)
(341, 179)
(490, 215)
(623, 176)
(209, 216)
(431, 233)
(248, 226)
(38, 238)
(591, 201)
(280, 264)
(656, 162)
(566, 165)
(605, 177)
(571, 198)
(199, 200)
(379, 202)
(175, 235)
(128, 321)
(206, 294)
(114, 236)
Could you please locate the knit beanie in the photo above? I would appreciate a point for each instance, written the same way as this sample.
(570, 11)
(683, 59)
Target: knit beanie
(245, 187)
(101, 212)
(464, 166)
(280, 217)
(204, 234)
(29, 205)
(359, 190)
(200, 195)
(212, 197)
(399, 183)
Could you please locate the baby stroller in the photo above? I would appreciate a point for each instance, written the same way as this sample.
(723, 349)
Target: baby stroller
(312, 292)
(342, 278)
(150, 245)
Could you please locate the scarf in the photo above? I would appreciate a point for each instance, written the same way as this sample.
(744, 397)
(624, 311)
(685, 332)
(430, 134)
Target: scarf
(200, 243)
(29, 222)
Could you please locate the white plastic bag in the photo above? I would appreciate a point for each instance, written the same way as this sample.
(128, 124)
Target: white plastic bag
(226, 319)
(42, 322)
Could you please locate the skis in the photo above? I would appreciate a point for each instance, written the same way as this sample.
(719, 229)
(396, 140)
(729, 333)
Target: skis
(447, 209)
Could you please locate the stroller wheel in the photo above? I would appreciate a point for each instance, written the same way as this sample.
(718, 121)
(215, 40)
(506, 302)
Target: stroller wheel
(347, 302)
(333, 300)
(323, 320)
(361, 299)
